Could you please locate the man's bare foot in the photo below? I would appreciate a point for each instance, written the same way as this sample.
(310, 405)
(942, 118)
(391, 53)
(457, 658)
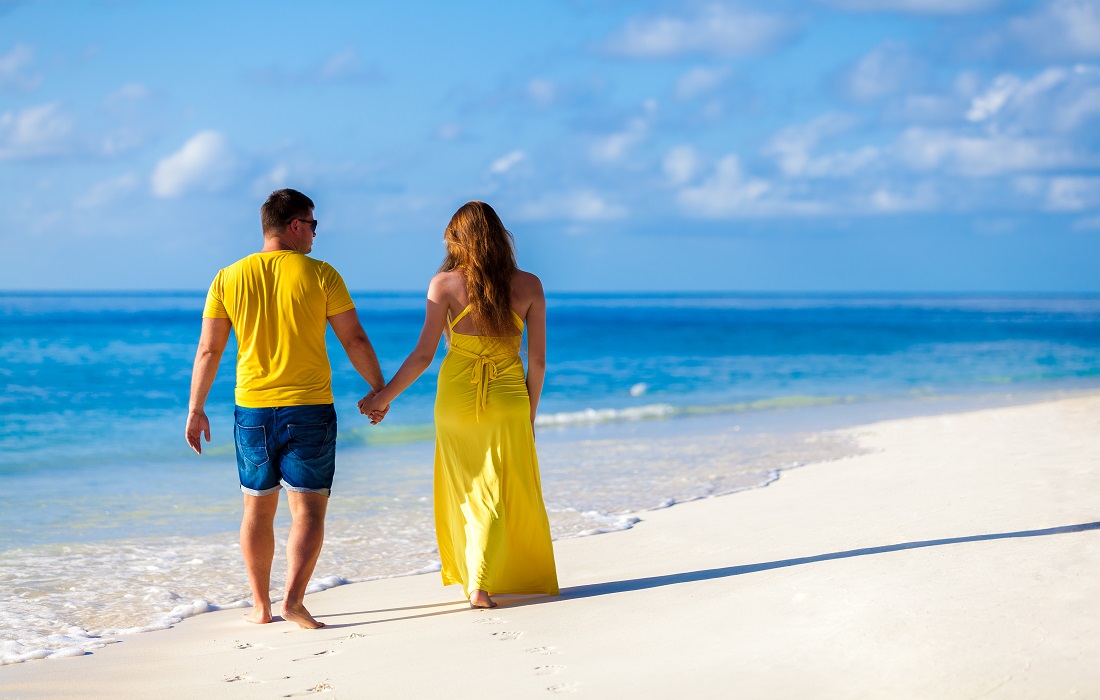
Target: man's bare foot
(481, 599)
(258, 616)
(301, 617)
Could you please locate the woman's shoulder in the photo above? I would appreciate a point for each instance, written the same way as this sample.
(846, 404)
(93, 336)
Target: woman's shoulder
(448, 287)
(449, 280)
(526, 283)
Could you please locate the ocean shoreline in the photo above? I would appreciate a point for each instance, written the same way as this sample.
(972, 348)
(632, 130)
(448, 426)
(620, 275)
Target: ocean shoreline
(190, 555)
(866, 581)
(621, 520)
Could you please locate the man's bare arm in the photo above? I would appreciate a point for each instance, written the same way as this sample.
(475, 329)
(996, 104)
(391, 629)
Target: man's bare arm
(215, 335)
(358, 348)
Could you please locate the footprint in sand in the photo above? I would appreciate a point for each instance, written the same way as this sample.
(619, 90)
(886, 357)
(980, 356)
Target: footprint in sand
(322, 687)
(507, 636)
(563, 688)
(544, 651)
(240, 677)
(241, 645)
(355, 635)
(548, 670)
(326, 652)
(489, 621)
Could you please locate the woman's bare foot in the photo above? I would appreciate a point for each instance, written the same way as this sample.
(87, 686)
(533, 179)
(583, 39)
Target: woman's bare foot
(481, 599)
(259, 615)
(301, 617)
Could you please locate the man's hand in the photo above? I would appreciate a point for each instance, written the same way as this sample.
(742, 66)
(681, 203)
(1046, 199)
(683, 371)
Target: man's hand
(197, 424)
(369, 407)
(215, 334)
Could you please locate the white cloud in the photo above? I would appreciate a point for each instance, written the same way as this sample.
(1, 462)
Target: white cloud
(1071, 194)
(729, 193)
(127, 95)
(13, 69)
(990, 102)
(927, 108)
(714, 30)
(841, 163)
(886, 70)
(578, 205)
(344, 66)
(699, 80)
(893, 200)
(1062, 28)
(121, 141)
(1089, 223)
(1030, 185)
(1082, 103)
(917, 7)
(613, 148)
(205, 162)
(276, 178)
(108, 191)
(680, 165)
(507, 162)
(793, 146)
(967, 83)
(985, 155)
(448, 132)
(1057, 99)
(35, 132)
(1009, 88)
(46, 131)
(542, 92)
(726, 193)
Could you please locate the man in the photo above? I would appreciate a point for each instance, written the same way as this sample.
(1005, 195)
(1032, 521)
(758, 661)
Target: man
(278, 301)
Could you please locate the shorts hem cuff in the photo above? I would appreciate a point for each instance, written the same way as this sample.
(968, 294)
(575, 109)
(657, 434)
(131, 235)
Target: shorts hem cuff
(301, 489)
(262, 492)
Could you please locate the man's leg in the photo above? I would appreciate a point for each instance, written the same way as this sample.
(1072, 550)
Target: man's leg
(258, 549)
(307, 534)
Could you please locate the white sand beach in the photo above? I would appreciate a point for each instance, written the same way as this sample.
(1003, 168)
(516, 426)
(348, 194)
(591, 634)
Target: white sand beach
(959, 557)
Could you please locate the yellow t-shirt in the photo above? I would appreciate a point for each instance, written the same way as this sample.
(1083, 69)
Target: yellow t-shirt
(279, 303)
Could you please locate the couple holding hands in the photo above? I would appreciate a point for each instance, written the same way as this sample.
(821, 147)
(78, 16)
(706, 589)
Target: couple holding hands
(491, 524)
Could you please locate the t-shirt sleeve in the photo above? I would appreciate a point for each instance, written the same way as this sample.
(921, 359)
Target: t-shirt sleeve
(337, 298)
(215, 306)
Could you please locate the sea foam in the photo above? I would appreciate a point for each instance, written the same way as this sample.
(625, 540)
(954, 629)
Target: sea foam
(61, 600)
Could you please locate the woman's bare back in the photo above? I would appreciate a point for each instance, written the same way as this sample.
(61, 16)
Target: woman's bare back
(526, 290)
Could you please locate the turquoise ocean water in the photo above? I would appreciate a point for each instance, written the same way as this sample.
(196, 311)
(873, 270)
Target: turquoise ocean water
(110, 525)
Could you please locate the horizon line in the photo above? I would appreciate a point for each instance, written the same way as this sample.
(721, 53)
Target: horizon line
(612, 292)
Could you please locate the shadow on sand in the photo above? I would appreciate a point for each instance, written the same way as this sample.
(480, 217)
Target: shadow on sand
(638, 584)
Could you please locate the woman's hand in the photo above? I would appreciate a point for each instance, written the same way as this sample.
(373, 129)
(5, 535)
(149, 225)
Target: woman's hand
(374, 409)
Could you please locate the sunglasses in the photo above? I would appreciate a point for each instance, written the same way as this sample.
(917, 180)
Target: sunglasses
(312, 223)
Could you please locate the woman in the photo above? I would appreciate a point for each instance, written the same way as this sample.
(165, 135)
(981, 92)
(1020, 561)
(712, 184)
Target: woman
(490, 520)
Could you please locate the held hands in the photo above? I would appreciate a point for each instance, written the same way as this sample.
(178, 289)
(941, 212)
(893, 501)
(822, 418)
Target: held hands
(374, 409)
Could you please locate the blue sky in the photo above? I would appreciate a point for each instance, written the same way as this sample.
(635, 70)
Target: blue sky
(830, 145)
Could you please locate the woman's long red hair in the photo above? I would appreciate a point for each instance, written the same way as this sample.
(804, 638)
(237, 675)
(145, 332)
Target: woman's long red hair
(478, 243)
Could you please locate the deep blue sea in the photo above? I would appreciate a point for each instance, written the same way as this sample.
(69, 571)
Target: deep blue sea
(109, 524)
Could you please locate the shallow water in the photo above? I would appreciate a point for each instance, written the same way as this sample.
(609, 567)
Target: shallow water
(78, 594)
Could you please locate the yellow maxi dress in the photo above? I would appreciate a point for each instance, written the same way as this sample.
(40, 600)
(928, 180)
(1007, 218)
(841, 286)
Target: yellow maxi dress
(490, 519)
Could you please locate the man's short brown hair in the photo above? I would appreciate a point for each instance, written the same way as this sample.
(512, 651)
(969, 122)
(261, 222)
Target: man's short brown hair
(282, 207)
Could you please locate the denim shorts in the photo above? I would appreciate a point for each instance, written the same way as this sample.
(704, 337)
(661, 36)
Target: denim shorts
(291, 446)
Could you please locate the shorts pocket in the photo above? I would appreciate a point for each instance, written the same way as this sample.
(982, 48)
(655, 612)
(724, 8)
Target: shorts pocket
(307, 441)
(252, 444)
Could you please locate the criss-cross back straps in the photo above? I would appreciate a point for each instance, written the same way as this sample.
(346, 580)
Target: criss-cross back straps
(462, 315)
